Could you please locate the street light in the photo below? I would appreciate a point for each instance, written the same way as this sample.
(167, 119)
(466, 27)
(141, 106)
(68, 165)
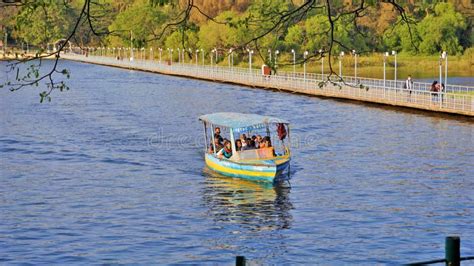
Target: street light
(151, 54)
(197, 52)
(250, 60)
(355, 65)
(270, 55)
(161, 50)
(305, 54)
(217, 54)
(230, 58)
(212, 56)
(394, 53)
(276, 57)
(340, 64)
(190, 55)
(294, 62)
(202, 53)
(444, 56)
(384, 72)
(322, 63)
(179, 56)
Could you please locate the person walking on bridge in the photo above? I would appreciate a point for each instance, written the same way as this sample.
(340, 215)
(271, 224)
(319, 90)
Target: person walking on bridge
(409, 87)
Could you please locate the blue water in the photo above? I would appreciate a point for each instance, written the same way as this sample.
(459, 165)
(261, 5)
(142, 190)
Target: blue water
(112, 171)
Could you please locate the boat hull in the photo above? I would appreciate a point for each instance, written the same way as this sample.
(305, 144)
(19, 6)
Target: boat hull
(266, 170)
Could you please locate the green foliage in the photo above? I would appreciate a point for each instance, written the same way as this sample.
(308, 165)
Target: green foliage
(440, 31)
(139, 21)
(43, 22)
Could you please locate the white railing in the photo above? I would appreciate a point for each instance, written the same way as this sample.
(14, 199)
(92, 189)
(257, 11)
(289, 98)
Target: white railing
(455, 99)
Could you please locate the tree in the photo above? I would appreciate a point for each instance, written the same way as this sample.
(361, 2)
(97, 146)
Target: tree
(43, 22)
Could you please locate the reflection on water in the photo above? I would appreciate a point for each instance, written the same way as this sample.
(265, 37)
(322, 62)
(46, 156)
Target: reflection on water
(254, 206)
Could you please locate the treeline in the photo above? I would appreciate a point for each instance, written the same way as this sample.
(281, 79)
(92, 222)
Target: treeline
(245, 23)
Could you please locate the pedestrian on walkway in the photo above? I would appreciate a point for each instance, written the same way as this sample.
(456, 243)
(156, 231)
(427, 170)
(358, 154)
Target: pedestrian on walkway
(408, 86)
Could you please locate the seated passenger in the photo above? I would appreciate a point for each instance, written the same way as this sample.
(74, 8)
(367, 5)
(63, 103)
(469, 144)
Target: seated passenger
(267, 145)
(250, 145)
(226, 151)
(238, 145)
(258, 141)
(218, 144)
(217, 134)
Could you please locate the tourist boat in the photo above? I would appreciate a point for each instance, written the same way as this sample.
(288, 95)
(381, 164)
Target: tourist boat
(263, 164)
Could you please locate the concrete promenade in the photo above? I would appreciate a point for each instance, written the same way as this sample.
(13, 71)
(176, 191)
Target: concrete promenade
(456, 99)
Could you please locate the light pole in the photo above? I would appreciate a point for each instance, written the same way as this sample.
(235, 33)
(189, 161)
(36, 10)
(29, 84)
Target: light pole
(340, 63)
(276, 57)
(197, 52)
(385, 56)
(217, 54)
(151, 54)
(444, 55)
(305, 54)
(270, 55)
(294, 62)
(131, 45)
(202, 53)
(355, 65)
(169, 53)
(212, 56)
(161, 50)
(190, 55)
(229, 58)
(322, 63)
(179, 56)
(143, 53)
(394, 53)
(250, 60)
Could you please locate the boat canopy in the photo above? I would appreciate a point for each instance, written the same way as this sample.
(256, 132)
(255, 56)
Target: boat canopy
(240, 122)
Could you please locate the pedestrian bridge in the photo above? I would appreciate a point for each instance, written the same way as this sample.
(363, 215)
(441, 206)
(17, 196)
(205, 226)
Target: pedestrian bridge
(454, 100)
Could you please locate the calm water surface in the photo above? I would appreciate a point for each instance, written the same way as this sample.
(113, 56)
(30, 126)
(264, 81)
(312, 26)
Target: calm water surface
(112, 172)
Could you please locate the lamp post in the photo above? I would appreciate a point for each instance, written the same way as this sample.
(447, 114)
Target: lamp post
(276, 57)
(190, 55)
(385, 56)
(444, 55)
(202, 54)
(217, 54)
(355, 66)
(161, 50)
(341, 55)
(322, 63)
(131, 45)
(179, 56)
(305, 54)
(143, 53)
(151, 54)
(394, 53)
(197, 52)
(229, 58)
(212, 57)
(270, 55)
(294, 62)
(250, 60)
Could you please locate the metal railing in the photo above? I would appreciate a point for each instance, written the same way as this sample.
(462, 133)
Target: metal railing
(456, 99)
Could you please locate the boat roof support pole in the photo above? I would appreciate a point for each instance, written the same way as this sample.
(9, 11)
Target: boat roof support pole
(213, 141)
(232, 141)
(205, 137)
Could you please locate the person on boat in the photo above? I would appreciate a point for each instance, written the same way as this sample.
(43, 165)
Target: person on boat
(267, 144)
(243, 140)
(217, 134)
(258, 141)
(250, 145)
(218, 145)
(226, 151)
(238, 145)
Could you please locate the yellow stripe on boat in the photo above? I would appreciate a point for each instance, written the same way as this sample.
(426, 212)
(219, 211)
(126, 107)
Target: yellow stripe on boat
(236, 172)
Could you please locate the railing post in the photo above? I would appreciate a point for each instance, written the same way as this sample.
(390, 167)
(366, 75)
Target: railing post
(452, 251)
(240, 261)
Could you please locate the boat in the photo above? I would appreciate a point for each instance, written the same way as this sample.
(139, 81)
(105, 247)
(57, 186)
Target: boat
(267, 164)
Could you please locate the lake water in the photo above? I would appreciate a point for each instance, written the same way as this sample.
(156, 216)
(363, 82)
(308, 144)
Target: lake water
(112, 171)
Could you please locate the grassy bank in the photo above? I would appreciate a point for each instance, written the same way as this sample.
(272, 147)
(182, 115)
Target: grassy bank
(371, 66)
